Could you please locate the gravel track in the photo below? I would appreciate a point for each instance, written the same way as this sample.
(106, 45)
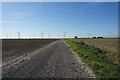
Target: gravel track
(55, 61)
(13, 51)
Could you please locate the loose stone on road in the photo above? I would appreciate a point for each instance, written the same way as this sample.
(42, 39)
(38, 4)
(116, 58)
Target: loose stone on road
(55, 61)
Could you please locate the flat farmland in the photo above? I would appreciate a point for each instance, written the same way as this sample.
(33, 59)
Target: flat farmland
(110, 45)
(13, 49)
(95, 54)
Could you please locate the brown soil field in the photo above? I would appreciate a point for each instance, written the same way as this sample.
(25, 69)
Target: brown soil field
(110, 45)
(56, 60)
(15, 48)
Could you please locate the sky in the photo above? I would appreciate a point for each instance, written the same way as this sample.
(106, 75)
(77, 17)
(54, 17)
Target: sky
(54, 19)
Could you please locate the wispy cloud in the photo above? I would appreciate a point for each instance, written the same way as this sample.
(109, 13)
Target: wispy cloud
(19, 14)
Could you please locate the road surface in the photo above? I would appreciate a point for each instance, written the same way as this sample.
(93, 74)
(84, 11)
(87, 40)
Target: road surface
(55, 61)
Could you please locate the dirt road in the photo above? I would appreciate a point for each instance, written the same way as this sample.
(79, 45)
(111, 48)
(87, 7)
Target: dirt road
(55, 61)
(15, 50)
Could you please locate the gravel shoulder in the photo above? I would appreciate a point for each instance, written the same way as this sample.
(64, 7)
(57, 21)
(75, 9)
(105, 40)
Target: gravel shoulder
(54, 61)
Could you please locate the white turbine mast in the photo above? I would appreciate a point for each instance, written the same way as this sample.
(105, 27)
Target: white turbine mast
(64, 35)
(18, 35)
(42, 34)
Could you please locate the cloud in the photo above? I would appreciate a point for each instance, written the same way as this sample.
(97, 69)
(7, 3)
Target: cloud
(19, 14)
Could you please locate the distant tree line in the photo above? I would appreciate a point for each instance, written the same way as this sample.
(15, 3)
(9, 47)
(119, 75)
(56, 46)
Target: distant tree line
(97, 37)
(92, 37)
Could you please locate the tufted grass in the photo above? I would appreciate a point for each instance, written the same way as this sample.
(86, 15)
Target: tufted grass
(96, 59)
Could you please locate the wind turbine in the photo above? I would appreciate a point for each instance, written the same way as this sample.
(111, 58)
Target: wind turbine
(6, 36)
(110, 33)
(42, 34)
(64, 35)
(89, 34)
(18, 35)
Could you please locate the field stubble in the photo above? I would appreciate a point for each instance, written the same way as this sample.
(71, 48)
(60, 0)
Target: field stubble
(110, 45)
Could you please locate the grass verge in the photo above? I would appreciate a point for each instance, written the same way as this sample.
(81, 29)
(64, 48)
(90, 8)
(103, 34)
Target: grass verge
(96, 59)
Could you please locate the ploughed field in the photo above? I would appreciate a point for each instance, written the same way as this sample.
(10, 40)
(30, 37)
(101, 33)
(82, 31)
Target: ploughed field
(11, 49)
(56, 60)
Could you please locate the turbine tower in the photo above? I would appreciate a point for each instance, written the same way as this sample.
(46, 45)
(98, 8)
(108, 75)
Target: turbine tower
(110, 34)
(18, 35)
(42, 34)
(6, 36)
(64, 35)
